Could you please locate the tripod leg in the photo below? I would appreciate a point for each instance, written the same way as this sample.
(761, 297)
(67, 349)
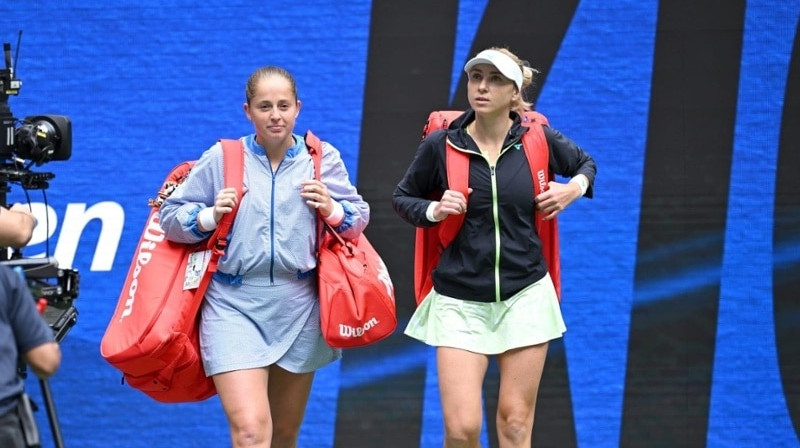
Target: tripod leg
(51, 413)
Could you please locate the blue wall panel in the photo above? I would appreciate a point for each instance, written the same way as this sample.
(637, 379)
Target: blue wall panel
(598, 94)
(149, 84)
(748, 405)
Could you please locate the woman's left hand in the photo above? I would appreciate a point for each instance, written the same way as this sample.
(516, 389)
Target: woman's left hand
(317, 196)
(557, 197)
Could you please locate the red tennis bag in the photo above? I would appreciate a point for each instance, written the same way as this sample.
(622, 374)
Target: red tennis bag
(152, 337)
(356, 294)
(431, 241)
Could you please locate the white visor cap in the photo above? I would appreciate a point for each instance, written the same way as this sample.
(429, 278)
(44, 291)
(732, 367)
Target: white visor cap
(501, 61)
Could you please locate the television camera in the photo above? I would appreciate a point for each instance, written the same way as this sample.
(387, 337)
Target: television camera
(36, 140)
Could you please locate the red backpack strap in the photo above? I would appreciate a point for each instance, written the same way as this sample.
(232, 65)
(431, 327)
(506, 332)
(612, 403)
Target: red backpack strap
(457, 168)
(233, 164)
(457, 163)
(534, 143)
(314, 145)
(233, 167)
(430, 241)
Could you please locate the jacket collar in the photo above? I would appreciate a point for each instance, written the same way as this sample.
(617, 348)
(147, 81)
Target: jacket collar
(298, 147)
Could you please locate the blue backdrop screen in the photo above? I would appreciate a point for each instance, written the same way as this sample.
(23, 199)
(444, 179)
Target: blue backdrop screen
(680, 276)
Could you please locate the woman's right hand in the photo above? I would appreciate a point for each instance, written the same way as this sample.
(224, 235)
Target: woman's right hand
(225, 202)
(452, 203)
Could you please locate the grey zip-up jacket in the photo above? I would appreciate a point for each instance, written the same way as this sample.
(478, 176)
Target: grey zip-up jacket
(274, 233)
(501, 208)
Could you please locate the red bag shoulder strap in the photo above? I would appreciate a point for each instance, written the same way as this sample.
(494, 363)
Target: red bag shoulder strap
(233, 167)
(534, 143)
(314, 145)
(457, 165)
(429, 242)
(233, 163)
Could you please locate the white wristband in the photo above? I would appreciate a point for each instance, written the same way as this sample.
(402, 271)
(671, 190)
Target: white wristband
(582, 182)
(205, 219)
(429, 212)
(336, 217)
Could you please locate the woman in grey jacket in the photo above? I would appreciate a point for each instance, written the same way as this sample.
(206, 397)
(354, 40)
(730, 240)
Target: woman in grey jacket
(492, 294)
(260, 334)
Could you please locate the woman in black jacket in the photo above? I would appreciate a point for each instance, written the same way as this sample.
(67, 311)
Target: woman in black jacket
(492, 294)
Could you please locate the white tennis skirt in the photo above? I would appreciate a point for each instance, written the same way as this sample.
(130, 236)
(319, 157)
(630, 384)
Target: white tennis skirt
(530, 317)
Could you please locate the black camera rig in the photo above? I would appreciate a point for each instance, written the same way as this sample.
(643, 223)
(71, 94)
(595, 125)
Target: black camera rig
(37, 139)
(54, 288)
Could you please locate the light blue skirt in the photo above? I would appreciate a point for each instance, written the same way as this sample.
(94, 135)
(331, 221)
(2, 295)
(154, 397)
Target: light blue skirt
(530, 317)
(257, 325)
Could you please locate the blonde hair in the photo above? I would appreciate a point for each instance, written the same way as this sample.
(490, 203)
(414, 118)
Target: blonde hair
(529, 73)
(266, 72)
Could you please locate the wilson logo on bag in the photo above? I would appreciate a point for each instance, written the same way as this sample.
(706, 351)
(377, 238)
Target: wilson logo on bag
(152, 337)
(356, 294)
(153, 235)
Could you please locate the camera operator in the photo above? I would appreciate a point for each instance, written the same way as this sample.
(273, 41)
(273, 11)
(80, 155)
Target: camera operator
(24, 334)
